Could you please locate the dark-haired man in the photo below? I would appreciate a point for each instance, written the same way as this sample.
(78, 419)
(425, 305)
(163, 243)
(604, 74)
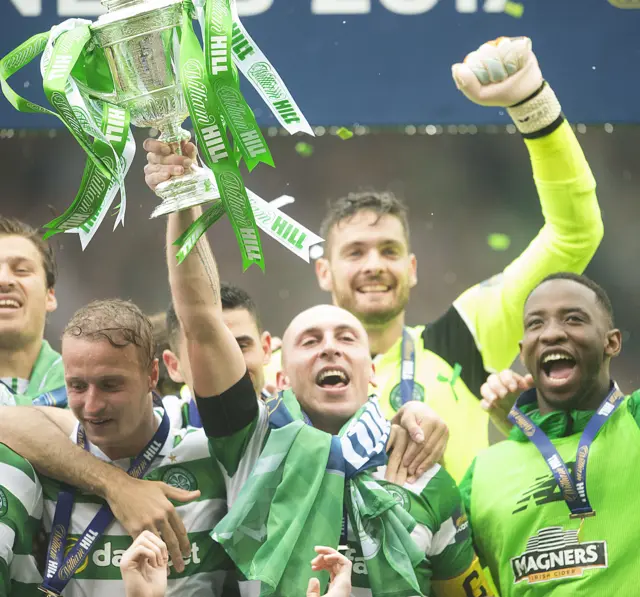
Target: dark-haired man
(563, 521)
(30, 370)
(369, 269)
(241, 317)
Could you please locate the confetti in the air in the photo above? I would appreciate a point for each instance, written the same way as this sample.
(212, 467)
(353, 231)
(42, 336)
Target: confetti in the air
(304, 149)
(498, 241)
(344, 133)
(514, 9)
(281, 201)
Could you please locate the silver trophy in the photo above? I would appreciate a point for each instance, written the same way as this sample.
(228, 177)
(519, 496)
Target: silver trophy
(140, 42)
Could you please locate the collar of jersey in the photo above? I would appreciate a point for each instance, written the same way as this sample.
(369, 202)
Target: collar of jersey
(394, 354)
(124, 463)
(555, 424)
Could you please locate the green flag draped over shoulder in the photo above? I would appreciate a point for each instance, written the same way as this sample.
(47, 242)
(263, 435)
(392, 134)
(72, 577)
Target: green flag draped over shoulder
(293, 501)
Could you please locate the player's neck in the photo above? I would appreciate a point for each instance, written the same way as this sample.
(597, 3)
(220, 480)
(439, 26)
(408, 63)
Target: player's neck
(328, 424)
(590, 399)
(19, 362)
(138, 439)
(383, 337)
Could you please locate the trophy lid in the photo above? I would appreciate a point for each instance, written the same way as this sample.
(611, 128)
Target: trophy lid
(130, 9)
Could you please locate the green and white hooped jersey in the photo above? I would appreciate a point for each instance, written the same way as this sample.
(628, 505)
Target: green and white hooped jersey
(9, 387)
(442, 529)
(183, 462)
(20, 514)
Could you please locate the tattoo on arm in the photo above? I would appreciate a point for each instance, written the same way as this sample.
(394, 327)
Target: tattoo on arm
(208, 264)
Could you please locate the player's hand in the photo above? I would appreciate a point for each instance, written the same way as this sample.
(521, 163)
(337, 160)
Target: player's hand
(339, 568)
(144, 567)
(163, 163)
(144, 506)
(499, 394)
(501, 72)
(428, 435)
(396, 449)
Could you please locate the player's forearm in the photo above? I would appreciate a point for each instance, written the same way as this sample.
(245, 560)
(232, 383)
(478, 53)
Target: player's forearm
(30, 433)
(195, 290)
(195, 284)
(564, 181)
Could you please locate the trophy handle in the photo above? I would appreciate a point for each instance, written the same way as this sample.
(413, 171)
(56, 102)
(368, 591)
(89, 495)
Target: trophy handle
(110, 98)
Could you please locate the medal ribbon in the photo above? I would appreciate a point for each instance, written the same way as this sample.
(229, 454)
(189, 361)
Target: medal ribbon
(60, 569)
(407, 367)
(572, 488)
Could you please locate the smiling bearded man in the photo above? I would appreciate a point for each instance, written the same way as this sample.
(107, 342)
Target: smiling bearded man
(556, 526)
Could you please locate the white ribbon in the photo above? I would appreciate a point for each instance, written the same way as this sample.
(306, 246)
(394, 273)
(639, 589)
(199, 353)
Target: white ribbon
(255, 66)
(278, 225)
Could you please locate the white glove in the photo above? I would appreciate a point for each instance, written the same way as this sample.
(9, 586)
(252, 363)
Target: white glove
(501, 72)
(505, 72)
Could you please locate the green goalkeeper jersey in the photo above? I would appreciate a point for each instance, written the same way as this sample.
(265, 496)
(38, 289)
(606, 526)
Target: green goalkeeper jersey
(521, 523)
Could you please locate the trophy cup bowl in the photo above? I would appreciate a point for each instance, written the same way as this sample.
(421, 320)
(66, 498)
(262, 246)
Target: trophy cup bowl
(140, 42)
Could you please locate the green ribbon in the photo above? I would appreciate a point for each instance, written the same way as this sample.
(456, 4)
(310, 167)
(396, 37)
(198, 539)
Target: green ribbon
(66, 52)
(55, 81)
(219, 60)
(86, 207)
(215, 149)
(192, 234)
(17, 59)
(101, 169)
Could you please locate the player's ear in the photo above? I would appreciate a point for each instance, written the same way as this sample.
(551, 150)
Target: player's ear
(323, 274)
(413, 270)
(154, 375)
(282, 381)
(172, 364)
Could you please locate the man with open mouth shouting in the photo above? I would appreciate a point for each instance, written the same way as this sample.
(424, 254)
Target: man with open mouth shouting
(308, 466)
(557, 525)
